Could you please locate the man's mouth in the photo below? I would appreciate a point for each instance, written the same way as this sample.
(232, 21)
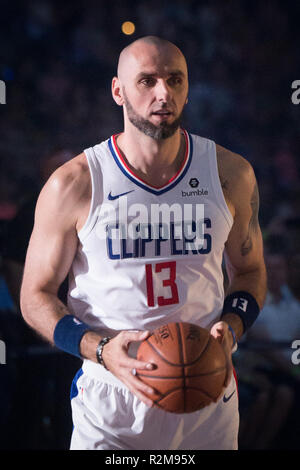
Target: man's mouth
(162, 113)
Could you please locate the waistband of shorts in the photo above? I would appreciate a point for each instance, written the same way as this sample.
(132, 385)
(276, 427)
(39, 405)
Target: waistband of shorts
(98, 372)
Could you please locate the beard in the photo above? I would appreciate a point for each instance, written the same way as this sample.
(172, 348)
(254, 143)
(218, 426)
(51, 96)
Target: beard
(159, 132)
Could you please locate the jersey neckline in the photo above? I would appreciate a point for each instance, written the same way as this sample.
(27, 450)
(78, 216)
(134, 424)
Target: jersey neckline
(139, 181)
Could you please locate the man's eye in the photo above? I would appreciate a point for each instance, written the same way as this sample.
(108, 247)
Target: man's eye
(175, 81)
(148, 81)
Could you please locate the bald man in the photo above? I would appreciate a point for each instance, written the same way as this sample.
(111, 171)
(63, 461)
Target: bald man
(136, 262)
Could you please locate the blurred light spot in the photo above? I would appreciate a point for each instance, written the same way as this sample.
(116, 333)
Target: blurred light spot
(128, 27)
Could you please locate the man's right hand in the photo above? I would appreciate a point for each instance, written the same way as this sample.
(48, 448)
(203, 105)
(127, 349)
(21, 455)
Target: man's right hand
(118, 362)
(116, 359)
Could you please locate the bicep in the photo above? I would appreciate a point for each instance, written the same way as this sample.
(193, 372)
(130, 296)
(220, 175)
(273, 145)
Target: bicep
(52, 244)
(244, 247)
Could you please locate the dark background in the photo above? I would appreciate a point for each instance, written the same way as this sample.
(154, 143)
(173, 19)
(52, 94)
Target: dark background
(57, 60)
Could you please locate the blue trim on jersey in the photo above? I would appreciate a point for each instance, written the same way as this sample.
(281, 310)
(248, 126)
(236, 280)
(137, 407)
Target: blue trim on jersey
(74, 388)
(144, 186)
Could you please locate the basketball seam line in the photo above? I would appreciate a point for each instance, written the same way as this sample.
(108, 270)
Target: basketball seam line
(215, 371)
(174, 364)
(163, 395)
(179, 334)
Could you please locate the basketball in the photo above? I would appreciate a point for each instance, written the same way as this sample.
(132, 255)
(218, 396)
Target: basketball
(190, 367)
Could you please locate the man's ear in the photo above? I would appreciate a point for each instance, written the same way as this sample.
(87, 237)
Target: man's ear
(116, 90)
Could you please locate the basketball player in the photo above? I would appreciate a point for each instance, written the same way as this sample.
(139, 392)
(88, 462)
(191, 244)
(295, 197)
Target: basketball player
(129, 273)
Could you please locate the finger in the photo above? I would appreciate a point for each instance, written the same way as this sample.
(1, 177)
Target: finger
(130, 336)
(143, 398)
(140, 390)
(131, 363)
(218, 334)
(141, 386)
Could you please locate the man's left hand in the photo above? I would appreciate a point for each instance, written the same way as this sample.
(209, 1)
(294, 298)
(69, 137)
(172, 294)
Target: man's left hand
(222, 334)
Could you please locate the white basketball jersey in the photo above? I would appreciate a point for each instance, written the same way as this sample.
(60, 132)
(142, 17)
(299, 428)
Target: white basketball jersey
(147, 255)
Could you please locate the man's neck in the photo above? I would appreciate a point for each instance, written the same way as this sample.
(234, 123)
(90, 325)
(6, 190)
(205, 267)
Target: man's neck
(153, 161)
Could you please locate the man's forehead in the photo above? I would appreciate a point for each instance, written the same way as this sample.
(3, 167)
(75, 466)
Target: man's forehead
(163, 71)
(149, 59)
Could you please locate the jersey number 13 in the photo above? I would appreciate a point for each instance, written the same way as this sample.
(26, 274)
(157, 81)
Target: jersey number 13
(170, 282)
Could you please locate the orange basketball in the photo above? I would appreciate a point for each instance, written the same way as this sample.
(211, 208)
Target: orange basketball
(190, 367)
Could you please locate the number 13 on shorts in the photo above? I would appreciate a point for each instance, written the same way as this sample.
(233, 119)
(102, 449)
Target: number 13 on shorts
(169, 284)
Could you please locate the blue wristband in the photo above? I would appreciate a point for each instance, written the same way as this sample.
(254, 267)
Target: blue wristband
(244, 305)
(68, 333)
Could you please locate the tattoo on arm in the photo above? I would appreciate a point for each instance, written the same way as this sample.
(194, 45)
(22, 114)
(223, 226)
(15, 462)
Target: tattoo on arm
(247, 245)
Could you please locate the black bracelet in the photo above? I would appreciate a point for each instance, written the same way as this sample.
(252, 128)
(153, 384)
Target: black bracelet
(99, 351)
(244, 305)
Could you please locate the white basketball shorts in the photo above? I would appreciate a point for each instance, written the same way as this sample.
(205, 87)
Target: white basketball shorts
(107, 416)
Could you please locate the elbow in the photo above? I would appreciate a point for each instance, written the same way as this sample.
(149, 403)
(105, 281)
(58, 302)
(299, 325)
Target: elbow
(26, 300)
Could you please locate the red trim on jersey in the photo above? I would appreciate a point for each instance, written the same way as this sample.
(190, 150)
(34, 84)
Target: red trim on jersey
(143, 181)
(236, 381)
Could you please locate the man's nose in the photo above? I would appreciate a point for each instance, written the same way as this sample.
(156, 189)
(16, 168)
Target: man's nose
(163, 91)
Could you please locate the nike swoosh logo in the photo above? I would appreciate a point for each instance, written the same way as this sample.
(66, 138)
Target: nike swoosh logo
(226, 399)
(112, 198)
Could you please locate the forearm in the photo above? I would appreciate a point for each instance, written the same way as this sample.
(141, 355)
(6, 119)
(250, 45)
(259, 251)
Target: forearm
(44, 310)
(253, 282)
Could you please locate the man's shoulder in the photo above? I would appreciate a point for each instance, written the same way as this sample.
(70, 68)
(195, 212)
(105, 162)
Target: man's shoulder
(236, 174)
(76, 166)
(227, 159)
(232, 160)
(73, 173)
(234, 167)
(69, 182)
